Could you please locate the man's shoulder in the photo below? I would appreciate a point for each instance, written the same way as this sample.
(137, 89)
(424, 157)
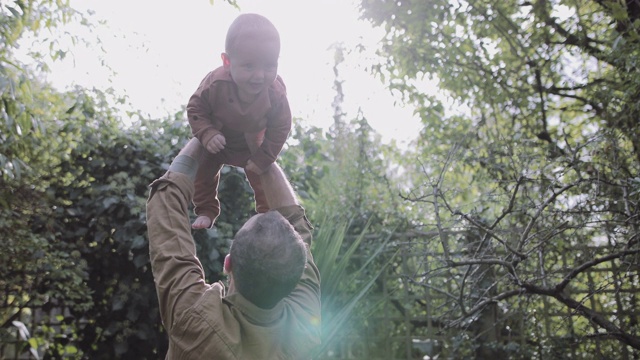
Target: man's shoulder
(212, 297)
(205, 328)
(210, 311)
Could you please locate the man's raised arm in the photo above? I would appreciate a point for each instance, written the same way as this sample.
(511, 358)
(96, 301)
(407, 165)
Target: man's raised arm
(277, 188)
(178, 274)
(281, 197)
(305, 297)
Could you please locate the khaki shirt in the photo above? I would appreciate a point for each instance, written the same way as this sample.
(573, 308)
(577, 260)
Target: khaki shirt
(203, 322)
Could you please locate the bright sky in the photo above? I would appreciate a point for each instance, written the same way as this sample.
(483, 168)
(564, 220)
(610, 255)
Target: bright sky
(161, 50)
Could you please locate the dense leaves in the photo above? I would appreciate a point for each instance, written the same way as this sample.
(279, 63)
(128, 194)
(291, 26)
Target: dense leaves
(529, 181)
(74, 276)
(514, 234)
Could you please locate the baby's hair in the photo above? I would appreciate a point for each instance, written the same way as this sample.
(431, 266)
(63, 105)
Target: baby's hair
(254, 25)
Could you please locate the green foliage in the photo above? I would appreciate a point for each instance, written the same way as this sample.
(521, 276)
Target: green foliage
(305, 158)
(20, 17)
(73, 219)
(37, 270)
(526, 172)
(359, 180)
(530, 67)
(75, 280)
(75, 225)
(346, 174)
(344, 287)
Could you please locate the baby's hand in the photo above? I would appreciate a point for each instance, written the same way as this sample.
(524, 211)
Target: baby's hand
(216, 144)
(253, 168)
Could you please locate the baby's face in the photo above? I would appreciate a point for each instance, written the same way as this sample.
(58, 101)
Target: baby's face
(253, 66)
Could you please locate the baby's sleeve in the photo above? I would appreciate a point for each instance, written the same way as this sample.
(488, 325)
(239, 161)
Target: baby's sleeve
(276, 134)
(200, 110)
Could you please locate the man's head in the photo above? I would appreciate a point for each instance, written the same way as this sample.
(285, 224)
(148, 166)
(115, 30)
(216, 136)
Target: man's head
(266, 260)
(252, 48)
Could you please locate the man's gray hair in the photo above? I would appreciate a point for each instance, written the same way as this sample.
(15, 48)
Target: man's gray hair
(267, 259)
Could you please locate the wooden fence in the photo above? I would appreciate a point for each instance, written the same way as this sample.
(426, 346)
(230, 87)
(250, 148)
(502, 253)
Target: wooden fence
(408, 321)
(414, 296)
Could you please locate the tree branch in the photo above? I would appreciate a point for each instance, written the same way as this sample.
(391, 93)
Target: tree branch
(525, 234)
(482, 304)
(490, 232)
(586, 265)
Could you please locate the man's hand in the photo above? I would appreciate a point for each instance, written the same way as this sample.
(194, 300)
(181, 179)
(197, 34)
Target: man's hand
(251, 166)
(216, 144)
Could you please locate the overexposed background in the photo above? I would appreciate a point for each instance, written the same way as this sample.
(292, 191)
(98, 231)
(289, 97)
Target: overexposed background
(159, 51)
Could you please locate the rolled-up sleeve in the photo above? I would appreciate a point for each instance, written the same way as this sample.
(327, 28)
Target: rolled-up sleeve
(178, 274)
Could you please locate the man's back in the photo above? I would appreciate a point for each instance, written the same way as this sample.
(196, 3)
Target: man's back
(231, 327)
(203, 320)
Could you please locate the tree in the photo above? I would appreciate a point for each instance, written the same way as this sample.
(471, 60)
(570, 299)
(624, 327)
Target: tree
(31, 262)
(531, 183)
(76, 230)
(74, 275)
(348, 185)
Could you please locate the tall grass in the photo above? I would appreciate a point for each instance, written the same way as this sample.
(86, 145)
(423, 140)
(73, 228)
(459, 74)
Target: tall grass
(344, 287)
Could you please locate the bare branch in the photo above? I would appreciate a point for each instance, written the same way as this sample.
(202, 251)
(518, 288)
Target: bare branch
(505, 264)
(437, 194)
(598, 319)
(584, 266)
(493, 234)
(541, 208)
(484, 303)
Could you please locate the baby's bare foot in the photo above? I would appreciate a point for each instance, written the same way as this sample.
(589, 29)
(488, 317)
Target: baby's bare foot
(201, 222)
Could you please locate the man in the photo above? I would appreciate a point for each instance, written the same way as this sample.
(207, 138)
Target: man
(272, 307)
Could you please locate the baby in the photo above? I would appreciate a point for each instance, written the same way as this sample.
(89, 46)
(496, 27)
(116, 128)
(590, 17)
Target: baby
(240, 113)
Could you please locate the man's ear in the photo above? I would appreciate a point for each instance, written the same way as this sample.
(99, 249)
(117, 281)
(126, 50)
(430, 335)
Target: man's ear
(225, 60)
(227, 264)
